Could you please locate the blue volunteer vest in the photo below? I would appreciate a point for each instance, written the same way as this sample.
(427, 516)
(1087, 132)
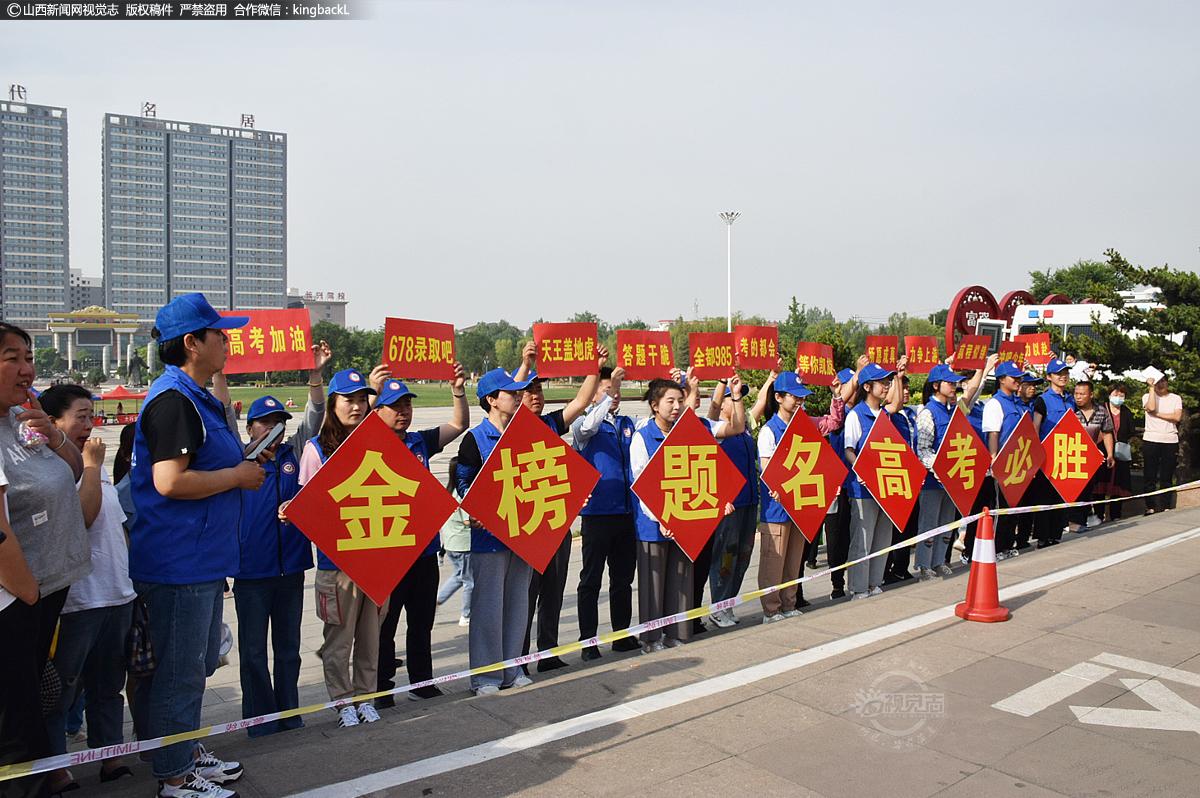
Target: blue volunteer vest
(743, 451)
(941, 420)
(608, 453)
(646, 524)
(1057, 406)
(269, 546)
(185, 541)
(771, 511)
(1014, 408)
(867, 420)
(486, 437)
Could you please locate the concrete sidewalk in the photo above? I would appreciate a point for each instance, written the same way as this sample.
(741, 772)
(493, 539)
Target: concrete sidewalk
(901, 713)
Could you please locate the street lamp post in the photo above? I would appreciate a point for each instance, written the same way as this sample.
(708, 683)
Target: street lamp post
(730, 217)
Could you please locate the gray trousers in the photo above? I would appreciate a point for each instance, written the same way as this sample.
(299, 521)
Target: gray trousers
(870, 531)
(664, 588)
(499, 611)
(937, 509)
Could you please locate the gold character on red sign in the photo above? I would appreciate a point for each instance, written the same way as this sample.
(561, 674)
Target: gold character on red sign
(1070, 457)
(689, 482)
(379, 533)
(893, 478)
(537, 478)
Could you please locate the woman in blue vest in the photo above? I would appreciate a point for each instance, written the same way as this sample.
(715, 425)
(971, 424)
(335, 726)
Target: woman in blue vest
(1054, 403)
(664, 570)
(416, 592)
(898, 559)
(936, 507)
(1001, 415)
(500, 598)
(352, 619)
(870, 527)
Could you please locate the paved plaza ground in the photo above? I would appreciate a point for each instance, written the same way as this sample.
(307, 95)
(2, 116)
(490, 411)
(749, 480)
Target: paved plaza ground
(1092, 688)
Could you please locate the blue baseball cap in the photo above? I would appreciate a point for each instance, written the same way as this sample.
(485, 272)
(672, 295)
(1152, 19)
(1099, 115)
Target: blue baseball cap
(845, 375)
(1029, 377)
(943, 373)
(393, 391)
(266, 406)
(874, 371)
(189, 313)
(1056, 365)
(1009, 369)
(498, 380)
(349, 381)
(745, 390)
(790, 382)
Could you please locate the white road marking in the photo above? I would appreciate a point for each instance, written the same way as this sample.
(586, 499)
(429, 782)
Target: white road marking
(1149, 668)
(1170, 713)
(1050, 691)
(525, 740)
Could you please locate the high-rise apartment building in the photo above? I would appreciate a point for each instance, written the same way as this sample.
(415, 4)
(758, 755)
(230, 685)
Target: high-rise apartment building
(34, 258)
(193, 207)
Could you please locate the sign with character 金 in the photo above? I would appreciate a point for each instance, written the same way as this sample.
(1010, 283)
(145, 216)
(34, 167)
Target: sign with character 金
(712, 355)
(372, 508)
(688, 482)
(418, 350)
(566, 350)
(530, 489)
(273, 340)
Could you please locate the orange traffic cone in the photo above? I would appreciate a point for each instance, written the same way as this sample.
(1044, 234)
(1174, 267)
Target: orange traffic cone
(983, 592)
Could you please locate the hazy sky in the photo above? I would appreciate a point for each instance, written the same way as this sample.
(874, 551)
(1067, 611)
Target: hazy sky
(466, 160)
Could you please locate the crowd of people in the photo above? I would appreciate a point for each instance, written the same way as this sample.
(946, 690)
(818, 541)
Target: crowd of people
(96, 571)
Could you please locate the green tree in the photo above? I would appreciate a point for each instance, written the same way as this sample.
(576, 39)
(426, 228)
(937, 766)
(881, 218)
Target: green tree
(48, 361)
(1164, 336)
(1085, 279)
(96, 375)
(475, 350)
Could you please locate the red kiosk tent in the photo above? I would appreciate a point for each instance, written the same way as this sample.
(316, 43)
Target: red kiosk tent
(119, 394)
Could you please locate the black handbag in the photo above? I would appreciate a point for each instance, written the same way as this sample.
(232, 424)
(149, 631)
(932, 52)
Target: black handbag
(139, 651)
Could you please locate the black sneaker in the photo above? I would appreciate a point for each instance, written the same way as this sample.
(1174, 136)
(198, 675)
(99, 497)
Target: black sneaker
(550, 664)
(215, 770)
(590, 653)
(421, 693)
(626, 644)
(837, 593)
(385, 702)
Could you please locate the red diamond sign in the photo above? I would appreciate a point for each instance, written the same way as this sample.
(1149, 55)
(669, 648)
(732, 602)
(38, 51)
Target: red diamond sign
(688, 482)
(372, 508)
(1018, 461)
(530, 489)
(962, 462)
(889, 468)
(1072, 457)
(805, 473)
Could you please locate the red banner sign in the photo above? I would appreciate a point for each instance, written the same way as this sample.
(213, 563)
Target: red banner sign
(566, 350)
(645, 354)
(1014, 351)
(922, 351)
(962, 462)
(1072, 457)
(805, 473)
(884, 350)
(756, 347)
(972, 352)
(273, 340)
(712, 355)
(1037, 348)
(688, 482)
(814, 363)
(1018, 461)
(890, 470)
(530, 489)
(372, 508)
(418, 350)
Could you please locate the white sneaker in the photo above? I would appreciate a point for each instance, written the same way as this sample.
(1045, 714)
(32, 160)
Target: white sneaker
(653, 648)
(464, 621)
(522, 681)
(792, 614)
(943, 570)
(926, 574)
(731, 616)
(1093, 521)
(216, 771)
(773, 618)
(671, 642)
(367, 713)
(964, 559)
(875, 591)
(194, 786)
(719, 619)
(856, 596)
(347, 716)
(1002, 555)
(487, 689)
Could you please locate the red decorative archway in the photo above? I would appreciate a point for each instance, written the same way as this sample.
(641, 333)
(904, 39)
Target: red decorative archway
(972, 304)
(1012, 300)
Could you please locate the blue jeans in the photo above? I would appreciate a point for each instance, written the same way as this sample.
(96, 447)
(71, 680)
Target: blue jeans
(185, 629)
(732, 549)
(461, 560)
(277, 602)
(937, 509)
(90, 656)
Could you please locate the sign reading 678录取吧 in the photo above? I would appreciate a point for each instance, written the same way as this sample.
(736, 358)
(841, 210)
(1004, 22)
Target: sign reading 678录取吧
(418, 350)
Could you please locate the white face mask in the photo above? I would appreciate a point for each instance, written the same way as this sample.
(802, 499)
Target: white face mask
(1116, 401)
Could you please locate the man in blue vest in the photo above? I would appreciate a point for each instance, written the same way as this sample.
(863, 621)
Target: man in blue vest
(603, 437)
(187, 474)
(1001, 415)
(1054, 403)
